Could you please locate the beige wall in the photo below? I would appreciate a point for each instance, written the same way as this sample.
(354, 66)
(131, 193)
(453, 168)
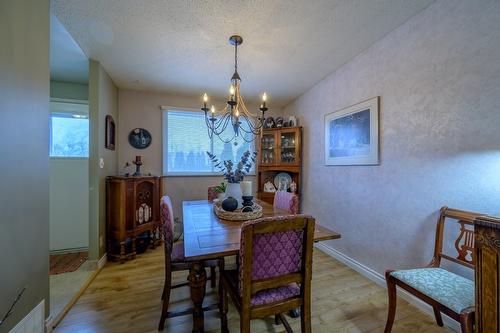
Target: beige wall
(24, 165)
(438, 76)
(103, 100)
(69, 203)
(142, 109)
(69, 90)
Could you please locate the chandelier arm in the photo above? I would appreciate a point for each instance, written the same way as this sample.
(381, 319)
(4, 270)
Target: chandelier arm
(228, 140)
(242, 103)
(251, 128)
(224, 122)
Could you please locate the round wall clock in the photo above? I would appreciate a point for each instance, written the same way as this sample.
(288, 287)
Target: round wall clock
(139, 138)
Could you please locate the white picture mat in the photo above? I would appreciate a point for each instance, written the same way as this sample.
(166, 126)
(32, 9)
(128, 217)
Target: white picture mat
(370, 159)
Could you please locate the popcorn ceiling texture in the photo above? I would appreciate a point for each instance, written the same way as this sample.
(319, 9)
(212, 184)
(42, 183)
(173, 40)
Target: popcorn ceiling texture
(182, 46)
(438, 76)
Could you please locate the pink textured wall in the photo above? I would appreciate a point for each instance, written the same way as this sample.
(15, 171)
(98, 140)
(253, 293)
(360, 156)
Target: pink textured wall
(438, 76)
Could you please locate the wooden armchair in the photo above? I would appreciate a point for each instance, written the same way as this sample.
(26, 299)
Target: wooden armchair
(274, 275)
(175, 261)
(445, 291)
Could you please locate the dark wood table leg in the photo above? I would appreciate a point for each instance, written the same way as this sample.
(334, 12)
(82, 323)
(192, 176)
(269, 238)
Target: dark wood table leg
(197, 283)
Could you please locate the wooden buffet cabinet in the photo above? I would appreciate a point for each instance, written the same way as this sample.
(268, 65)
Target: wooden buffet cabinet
(132, 210)
(280, 151)
(487, 258)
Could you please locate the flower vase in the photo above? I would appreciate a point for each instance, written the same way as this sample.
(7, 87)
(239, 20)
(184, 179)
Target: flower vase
(234, 190)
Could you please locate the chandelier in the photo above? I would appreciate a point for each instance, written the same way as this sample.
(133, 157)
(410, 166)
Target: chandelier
(244, 124)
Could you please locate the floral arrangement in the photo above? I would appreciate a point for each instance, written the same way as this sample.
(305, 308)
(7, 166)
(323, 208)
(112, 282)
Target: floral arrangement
(231, 173)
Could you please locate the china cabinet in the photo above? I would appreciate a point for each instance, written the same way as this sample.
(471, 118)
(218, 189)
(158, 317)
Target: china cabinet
(280, 152)
(132, 211)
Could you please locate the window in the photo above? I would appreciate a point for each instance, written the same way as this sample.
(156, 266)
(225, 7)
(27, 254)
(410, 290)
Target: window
(69, 131)
(186, 141)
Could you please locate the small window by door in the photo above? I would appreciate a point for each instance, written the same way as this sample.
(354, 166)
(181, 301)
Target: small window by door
(69, 131)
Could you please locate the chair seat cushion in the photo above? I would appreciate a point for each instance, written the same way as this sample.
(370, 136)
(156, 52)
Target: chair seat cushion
(267, 296)
(449, 289)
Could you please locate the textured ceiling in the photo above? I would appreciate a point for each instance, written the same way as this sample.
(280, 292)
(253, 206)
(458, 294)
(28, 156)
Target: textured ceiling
(181, 45)
(67, 61)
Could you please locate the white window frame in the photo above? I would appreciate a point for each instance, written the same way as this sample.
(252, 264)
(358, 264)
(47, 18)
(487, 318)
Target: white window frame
(165, 172)
(60, 106)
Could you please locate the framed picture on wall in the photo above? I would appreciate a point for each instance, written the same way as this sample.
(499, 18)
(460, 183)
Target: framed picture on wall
(109, 142)
(351, 135)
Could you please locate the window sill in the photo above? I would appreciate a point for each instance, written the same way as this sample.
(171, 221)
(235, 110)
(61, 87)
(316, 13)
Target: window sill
(68, 158)
(183, 174)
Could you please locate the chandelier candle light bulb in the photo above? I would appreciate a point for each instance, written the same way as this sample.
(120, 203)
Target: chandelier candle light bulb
(205, 100)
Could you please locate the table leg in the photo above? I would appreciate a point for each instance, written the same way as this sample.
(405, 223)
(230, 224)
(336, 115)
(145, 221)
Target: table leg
(197, 283)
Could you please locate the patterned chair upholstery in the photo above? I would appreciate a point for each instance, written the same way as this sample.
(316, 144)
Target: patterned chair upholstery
(174, 260)
(287, 201)
(449, 289)
(272, 250)
(445, 291)
(167, 221)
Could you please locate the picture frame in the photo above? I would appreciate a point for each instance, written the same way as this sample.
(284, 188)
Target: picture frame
(352, 134)
(110, 137)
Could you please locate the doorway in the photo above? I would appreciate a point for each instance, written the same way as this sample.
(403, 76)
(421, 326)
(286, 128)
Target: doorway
(70, 269)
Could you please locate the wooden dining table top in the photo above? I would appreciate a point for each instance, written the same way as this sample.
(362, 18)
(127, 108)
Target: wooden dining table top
(208, 237)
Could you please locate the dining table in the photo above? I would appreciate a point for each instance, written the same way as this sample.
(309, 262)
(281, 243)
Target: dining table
(207, 237)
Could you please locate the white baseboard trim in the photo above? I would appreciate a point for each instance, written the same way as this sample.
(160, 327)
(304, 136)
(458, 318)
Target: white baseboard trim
(380, 280)
(99, 264)
(48, 324)
(102, 262)
(71, 250)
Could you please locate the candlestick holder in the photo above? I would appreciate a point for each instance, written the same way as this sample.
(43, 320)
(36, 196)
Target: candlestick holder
(138, 163)
(247, 200)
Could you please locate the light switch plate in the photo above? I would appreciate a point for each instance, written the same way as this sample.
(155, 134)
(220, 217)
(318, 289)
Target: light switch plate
(101, 163)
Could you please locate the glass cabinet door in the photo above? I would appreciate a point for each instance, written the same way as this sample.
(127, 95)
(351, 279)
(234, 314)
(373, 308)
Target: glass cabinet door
(268, 147)
(289, 147)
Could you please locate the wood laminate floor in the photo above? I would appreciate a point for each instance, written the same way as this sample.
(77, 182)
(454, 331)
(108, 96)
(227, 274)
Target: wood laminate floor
(126, 298)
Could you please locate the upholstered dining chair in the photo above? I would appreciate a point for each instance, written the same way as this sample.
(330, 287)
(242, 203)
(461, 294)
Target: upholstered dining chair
(175, 261)
(274, 275)
(287, 201)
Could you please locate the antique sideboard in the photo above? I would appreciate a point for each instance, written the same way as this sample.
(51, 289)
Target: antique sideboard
(132, 211)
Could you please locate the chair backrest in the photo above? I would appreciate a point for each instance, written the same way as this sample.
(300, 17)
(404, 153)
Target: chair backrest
(287, 201)
(275, 252)
(212, 194)
(464, 243)
(167, 220)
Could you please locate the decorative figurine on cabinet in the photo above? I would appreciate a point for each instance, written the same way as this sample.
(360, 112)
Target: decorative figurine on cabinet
(269, 187)
(138, 163)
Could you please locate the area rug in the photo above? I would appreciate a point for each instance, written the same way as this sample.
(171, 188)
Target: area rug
(66, 262)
